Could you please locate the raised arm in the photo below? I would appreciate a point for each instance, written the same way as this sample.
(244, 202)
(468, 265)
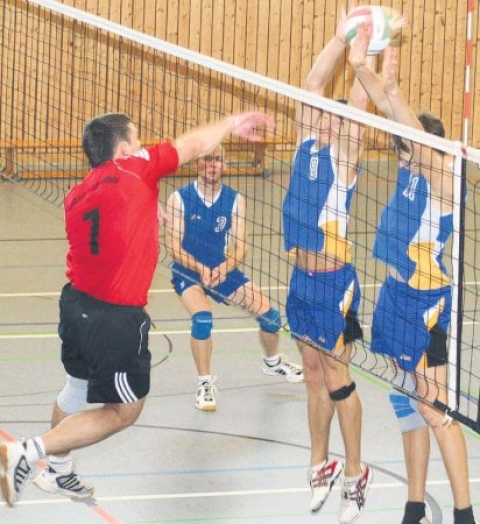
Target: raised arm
(372, 83)
(320, 75)
(204, 139)
(430, 163)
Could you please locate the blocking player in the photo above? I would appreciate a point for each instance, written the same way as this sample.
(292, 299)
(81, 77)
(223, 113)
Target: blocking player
(412, 314)
(324, 293)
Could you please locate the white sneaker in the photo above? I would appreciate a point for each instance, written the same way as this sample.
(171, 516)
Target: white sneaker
(206, 396)
(292, 372)
(14, 471)
(353, 495)
(69, 485)
(322, 478)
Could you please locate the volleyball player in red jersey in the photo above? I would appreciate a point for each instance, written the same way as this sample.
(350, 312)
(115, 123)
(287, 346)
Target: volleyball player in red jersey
(112, 227)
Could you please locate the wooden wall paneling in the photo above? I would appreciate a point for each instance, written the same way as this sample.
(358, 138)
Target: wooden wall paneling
(250, 50)
(451, 83)
(278, 38)
(262, 53)
(272, 51)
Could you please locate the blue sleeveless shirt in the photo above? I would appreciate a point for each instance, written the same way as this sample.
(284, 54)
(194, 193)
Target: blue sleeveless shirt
(317, 204)
(412, 233)
(207, 226)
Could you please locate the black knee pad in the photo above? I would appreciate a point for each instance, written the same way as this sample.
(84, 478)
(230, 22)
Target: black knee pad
(343, 392)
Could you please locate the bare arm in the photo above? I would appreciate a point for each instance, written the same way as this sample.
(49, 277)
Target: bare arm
(237, 248)
(237, 251)
(204, 139)
(174, 232)
(430, 163)
(372, 83)
(351, 136)
(320, 75)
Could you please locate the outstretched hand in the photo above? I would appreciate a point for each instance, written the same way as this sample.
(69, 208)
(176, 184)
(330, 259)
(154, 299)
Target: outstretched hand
(357, 55)
(341, 32)
(244, 124)
(396, 24)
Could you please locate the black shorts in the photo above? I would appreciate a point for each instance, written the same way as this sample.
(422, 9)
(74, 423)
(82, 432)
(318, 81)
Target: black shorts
(107, 345)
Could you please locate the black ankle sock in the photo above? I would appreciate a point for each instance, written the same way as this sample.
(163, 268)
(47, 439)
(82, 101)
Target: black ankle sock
(414, 512)
(463, 516)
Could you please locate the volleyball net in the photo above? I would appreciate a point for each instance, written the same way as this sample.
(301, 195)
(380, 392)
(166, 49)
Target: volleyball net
(62, 66)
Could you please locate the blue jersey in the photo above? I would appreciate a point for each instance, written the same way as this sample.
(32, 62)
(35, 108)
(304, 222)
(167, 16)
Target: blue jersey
(207, 224)
(412, 233)
(317, 204)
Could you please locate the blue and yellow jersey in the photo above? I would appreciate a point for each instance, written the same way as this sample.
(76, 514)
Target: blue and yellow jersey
(412, 233)
(207, 225)
(317, 204)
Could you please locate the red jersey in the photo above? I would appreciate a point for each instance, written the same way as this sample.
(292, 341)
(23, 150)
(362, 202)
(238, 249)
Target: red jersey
(112, 226)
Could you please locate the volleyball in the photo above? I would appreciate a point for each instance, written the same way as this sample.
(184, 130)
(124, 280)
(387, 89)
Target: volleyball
(379, 20)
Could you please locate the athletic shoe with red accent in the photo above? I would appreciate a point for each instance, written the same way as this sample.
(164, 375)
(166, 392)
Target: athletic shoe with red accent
(322, 478)
(353, 496)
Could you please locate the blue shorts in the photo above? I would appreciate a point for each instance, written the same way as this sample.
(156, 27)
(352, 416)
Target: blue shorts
(409, 324)
(183, 278)
(322, 307)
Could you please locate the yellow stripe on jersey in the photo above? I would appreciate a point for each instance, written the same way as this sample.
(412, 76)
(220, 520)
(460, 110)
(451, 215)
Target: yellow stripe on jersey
(428, 274)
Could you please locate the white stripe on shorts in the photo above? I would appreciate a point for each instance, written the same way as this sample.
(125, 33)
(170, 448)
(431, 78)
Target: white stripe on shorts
(123, 388)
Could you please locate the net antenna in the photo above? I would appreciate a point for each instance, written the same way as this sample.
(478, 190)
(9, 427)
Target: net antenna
(203, 88)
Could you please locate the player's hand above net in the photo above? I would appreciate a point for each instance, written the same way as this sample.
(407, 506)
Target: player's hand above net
(244, 125)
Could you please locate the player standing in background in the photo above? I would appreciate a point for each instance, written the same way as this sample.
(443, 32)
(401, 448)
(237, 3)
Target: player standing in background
(207, 240)
(324, 292)
(412, 313)
(112, 227)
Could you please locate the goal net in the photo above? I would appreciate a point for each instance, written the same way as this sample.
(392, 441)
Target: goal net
(62, 66)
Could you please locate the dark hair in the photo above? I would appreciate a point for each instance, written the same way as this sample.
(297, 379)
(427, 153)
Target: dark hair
(430, 123)
(102, 135)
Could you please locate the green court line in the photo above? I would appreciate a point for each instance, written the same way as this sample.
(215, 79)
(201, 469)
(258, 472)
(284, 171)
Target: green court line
(255, 518)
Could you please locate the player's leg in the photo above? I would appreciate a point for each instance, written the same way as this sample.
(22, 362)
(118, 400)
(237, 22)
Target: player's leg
(198, 306)
(249, 297)
(347, 402)
(343, 393)
(60, 476)
(416, 448)
(340, 327)
(416, 445)
(87, 329)
(431, 385)
(18, 459)
(323, 469)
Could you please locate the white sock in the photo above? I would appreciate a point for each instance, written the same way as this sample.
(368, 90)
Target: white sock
(34, 450)
(204, 378)
(272, 361)
(62, 465)
(350, 480)
(319, 466)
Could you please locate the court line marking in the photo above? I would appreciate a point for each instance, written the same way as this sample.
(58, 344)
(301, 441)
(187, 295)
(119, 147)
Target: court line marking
(213, 494)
